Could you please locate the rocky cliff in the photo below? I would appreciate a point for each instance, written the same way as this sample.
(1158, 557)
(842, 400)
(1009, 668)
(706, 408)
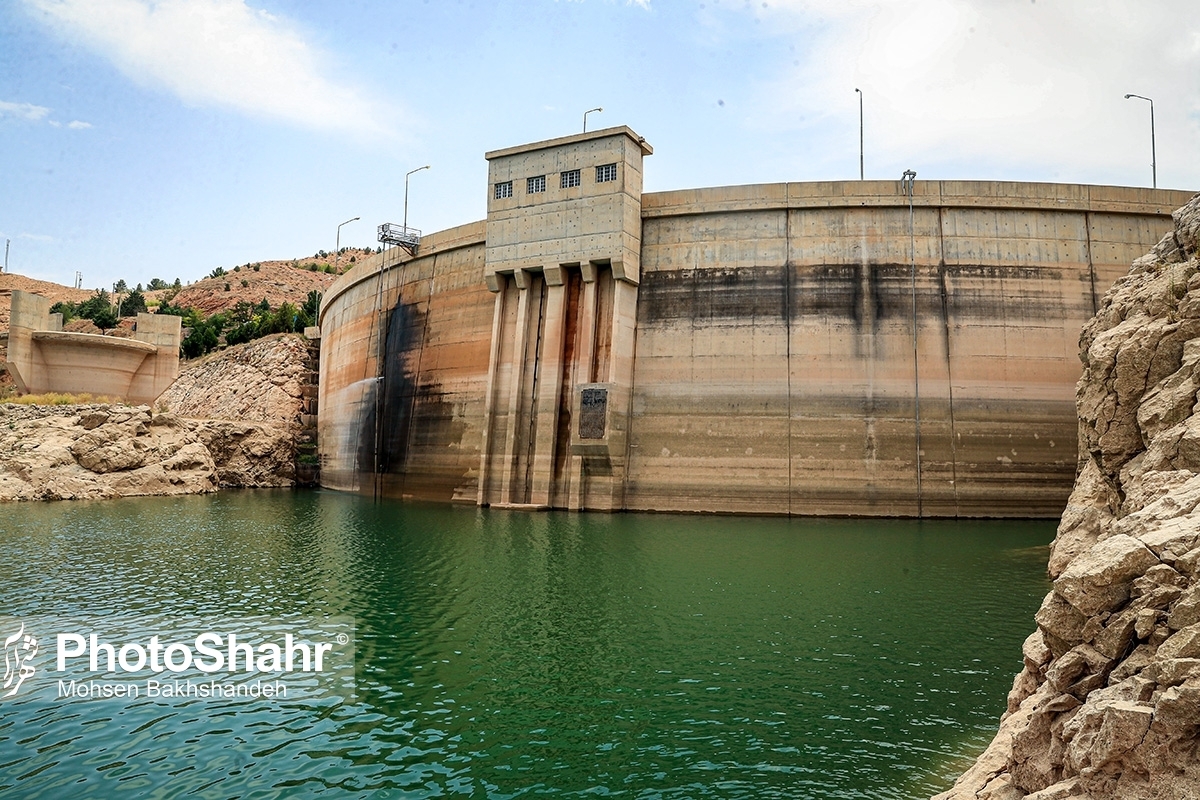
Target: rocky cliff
(103, 451)
(259, 381)
(1108, 704)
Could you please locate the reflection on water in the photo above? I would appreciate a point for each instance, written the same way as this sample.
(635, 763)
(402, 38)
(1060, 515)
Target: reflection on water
(502, 654)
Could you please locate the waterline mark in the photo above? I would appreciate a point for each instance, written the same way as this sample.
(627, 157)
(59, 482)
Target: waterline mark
(135, 658)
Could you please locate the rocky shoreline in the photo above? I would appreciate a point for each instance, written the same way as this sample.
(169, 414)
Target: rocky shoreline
(101, 451)
(231, 419)
(1108, 704)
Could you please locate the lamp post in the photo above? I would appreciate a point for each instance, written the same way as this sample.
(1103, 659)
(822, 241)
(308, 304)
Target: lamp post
(410, 172)
(1153, 156)
(860, 134)
(589, 111)
(337, 248)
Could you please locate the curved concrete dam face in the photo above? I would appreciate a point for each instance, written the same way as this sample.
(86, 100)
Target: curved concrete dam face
(801, 348)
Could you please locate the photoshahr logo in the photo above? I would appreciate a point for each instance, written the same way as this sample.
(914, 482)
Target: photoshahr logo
(19, 651)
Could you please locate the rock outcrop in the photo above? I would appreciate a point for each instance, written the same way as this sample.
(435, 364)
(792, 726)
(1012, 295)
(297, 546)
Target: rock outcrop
(104, 451)
(1108, 704)
(259, 381)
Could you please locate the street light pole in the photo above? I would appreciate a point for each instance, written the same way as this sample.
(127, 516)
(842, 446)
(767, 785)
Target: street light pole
(589, 111)
(337, 248)
(860, 134)
(410, 172)
(1153, 155)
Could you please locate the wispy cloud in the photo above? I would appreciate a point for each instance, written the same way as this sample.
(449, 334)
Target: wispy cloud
(1016, 82)
(215, 52)
(32, 113)
(24, 111)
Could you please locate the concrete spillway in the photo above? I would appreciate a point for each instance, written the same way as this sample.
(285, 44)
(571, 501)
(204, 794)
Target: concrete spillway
(753, 349)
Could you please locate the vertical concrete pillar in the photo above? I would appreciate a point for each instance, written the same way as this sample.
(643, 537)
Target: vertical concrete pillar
(546, 403)
(586, 354)
(490, 398)
(29, 313)
(516, 381)
(159, 371)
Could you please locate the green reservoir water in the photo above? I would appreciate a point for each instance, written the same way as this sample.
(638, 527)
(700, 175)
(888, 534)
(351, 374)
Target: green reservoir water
(503, 654)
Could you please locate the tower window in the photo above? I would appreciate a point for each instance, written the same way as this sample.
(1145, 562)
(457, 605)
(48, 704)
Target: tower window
(535, 184)
(606, 172)
(569, 178)
(503, 190)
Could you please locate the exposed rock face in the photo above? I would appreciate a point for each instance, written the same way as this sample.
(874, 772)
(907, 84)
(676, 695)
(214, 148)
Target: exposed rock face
(104, 451)
(1108, 705)
(259, 381)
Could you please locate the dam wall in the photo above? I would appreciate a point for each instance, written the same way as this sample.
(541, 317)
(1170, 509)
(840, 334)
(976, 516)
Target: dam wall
(775, 351)
(792, 348)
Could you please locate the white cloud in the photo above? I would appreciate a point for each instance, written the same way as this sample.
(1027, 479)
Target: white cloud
(77, 125)
(214, 52)
(1011, 85)
(24, 110)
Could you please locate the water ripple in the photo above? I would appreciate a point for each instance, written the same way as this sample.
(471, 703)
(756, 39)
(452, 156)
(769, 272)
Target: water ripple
(506, 655)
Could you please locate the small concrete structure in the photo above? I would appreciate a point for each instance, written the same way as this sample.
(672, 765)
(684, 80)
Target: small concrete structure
(42, 358)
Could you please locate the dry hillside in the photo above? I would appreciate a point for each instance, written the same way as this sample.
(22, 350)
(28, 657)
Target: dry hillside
(10, 281)
(278, 281)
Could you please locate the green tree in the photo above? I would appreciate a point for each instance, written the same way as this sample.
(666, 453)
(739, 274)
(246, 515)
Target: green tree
(68, 310)
(217, 273)
(104, 319)
(165, 307)
(308, 311)
(158, 283)
(131, 305)
(94, 305)
(120, 286)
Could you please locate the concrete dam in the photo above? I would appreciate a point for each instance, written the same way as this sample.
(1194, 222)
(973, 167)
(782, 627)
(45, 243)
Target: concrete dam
(794, 348)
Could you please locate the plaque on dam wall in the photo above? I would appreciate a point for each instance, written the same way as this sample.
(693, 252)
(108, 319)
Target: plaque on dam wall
(593, 407)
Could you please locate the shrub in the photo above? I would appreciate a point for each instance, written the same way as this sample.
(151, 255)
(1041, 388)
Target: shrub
(245, 283)
(227, 287)
(217, 273)
(256, 266)
(68, 310)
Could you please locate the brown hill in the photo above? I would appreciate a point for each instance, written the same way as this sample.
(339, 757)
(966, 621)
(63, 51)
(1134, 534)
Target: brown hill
(56, 293)
(277, 281)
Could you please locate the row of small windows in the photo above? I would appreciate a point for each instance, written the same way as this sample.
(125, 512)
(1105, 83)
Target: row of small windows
(567, 180)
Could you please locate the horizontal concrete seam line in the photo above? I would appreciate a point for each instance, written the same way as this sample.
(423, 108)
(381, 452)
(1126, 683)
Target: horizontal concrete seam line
(335, 291)
(1017, 204)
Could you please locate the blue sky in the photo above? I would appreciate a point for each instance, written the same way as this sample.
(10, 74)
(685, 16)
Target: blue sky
(163, 138)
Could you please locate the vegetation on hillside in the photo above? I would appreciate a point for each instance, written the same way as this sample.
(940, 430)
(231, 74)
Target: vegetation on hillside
(98, 308)
(242, 323)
